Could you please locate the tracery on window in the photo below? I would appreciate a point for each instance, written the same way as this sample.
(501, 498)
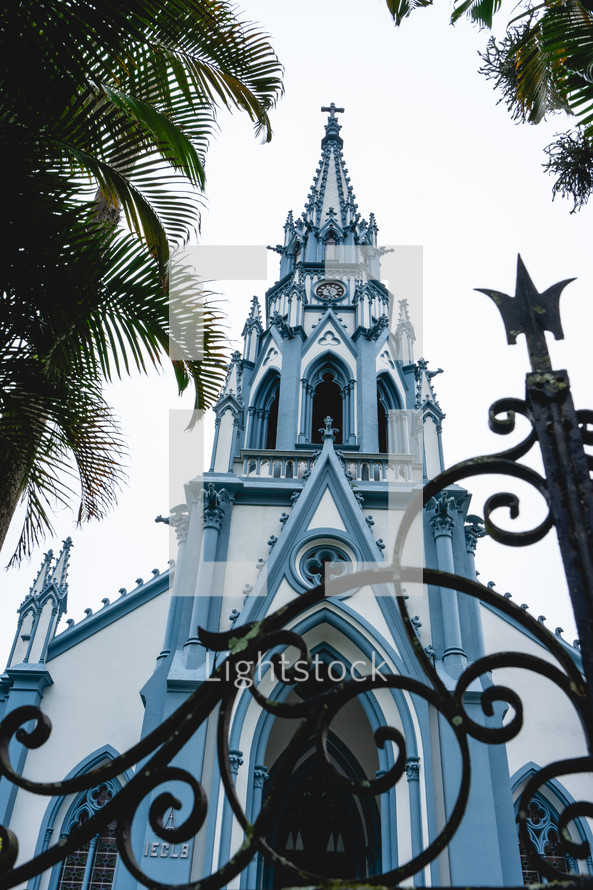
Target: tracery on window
(319, 559)
(92, 865)
(542, 824)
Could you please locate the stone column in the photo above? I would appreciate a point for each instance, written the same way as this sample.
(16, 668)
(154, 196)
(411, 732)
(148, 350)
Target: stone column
(389, 850)
(442, 525)
(235, 761)
(251, 421)
(349, 428)
(179, 520)
(213, 517)
(413, 777)
(46, 839)
(474, 530)
(303, 426)
(261, 414)
(260, 777)
(215, 443)
(234, 446)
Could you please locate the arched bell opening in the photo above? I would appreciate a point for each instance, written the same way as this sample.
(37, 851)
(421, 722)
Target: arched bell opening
(328, 390)
(327, 402)
(392, 425)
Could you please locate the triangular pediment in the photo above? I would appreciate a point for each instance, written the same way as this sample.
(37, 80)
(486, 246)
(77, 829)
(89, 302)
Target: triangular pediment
(327, 514)
(329, 334)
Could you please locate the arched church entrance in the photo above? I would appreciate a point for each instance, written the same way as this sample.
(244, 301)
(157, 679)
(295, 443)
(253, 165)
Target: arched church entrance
(324, 829)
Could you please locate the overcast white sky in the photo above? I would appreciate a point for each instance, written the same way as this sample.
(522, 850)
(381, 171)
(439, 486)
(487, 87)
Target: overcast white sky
(442, 166)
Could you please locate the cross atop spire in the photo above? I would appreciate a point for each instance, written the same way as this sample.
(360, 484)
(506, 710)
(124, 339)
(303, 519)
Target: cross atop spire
(331, 109)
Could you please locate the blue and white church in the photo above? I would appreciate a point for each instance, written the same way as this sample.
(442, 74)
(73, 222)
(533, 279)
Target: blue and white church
(326, 428)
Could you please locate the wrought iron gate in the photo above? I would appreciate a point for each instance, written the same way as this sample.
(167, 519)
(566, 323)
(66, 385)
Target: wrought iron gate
(562, 434)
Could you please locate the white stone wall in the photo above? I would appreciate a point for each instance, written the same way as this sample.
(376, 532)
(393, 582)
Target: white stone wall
(94, 701)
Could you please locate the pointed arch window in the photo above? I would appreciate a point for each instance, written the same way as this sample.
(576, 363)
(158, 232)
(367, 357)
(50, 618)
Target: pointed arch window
(331, 246)
(92, 865)
(542, 824)
(263, 414)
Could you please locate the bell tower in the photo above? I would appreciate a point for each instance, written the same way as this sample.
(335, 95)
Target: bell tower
(327, 348)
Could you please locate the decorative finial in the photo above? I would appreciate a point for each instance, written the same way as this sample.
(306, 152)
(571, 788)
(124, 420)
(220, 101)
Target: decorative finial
(531, 313)
(327, 431)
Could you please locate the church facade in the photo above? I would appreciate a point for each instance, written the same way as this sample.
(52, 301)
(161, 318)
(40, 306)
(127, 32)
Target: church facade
(326, 429)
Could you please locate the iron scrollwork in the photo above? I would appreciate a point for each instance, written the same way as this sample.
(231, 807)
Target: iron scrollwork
(246, 646)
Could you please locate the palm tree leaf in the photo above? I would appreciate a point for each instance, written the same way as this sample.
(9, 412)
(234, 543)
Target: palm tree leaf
(480, 11)
(120, 97)
(401, 9)
(567, 39)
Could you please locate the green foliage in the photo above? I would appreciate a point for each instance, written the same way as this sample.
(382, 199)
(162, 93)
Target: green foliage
(106, 110)
(570, 159)
(401, 9)
(543, 65)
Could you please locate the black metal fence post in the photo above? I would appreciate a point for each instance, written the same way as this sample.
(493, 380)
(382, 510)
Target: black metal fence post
(558, 430)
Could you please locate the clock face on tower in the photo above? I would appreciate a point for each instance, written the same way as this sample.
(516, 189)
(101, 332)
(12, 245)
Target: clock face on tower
(330, 290)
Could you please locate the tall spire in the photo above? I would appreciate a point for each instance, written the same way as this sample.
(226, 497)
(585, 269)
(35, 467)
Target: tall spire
(331, 199)
(329, 235)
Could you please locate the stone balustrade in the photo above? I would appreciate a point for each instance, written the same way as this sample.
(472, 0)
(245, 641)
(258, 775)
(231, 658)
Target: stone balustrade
(298, 465)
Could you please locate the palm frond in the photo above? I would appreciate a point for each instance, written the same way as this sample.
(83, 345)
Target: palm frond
(567, 39)
(480, 11)
(68, 451)
(401, 9)
(119, 98)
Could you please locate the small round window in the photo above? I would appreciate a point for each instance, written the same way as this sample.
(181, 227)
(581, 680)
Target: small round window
(323, 562)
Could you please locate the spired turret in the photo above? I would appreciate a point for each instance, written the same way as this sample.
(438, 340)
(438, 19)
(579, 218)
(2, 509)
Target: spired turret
(326, 347)
(41, 609)
(329, 239)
